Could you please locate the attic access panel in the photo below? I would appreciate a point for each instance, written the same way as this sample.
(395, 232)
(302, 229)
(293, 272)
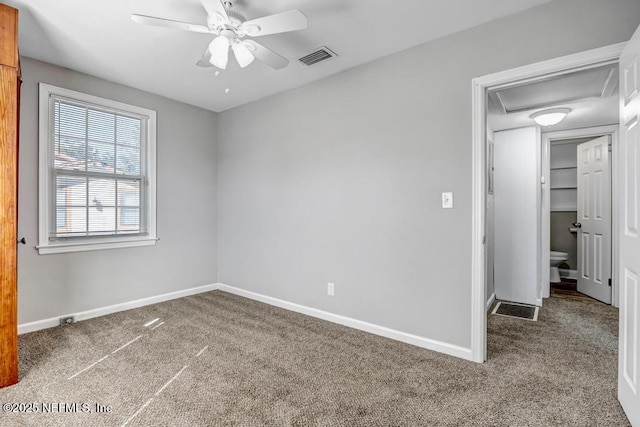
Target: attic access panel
(594, 83)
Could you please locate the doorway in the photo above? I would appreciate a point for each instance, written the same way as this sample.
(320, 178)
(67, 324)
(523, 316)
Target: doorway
(564, 201)
(481, 86)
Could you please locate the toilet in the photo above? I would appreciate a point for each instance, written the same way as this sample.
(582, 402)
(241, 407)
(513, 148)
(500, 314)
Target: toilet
(556, 258)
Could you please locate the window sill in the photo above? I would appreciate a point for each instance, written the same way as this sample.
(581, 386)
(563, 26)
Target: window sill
(59, 248)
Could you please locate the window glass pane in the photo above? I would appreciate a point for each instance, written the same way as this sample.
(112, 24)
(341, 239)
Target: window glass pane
(129, 219)
(61, 219)
(128, 160)
(129, 203)
(101, 126)
(77, 220)
(128, 131)
(129, 192)
(61, 196)
(61, 208)
(101, 157)
(76, 189)
(129, 199)
(102, 219)
(71, 120)
(70, 154)
(102, 193)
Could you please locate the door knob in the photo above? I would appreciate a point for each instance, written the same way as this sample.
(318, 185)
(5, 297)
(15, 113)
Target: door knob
(577, 225)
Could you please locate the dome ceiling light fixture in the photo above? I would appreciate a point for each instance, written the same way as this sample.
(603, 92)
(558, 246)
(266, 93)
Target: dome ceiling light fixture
(551, 116)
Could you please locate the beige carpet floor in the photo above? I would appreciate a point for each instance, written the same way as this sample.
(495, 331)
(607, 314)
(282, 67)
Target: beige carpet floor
(218, 359)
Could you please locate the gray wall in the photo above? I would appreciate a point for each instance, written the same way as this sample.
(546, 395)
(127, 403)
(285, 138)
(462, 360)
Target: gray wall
(340, 180)
(185, 256)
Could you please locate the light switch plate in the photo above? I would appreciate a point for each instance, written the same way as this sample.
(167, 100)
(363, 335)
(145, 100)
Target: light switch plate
(330, 289)
(447, 200)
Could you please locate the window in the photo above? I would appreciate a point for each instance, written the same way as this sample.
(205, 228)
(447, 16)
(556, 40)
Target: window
(97, 179)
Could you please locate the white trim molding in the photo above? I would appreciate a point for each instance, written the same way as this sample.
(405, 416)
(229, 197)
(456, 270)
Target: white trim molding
(418, 341)
(97, 246)
(480, 86)
(570, 274)
(102, 311)
(490, 301)
(46, 195)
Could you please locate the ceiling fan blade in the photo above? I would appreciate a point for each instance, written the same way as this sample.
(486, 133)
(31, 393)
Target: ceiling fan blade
(266, 55)
(205, 61)
(219, 50)
(292, 20)
(216, 10)
(170, 23)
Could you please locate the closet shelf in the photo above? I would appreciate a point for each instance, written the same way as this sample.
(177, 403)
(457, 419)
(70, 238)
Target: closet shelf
(563, 167)
(564, 188)
(566, 208)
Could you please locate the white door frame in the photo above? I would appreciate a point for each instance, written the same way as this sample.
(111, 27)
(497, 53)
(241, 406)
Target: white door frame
(480, 85)
(597, 131)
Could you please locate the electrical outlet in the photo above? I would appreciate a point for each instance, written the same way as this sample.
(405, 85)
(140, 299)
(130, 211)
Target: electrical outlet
(67, 320)
(330, 289)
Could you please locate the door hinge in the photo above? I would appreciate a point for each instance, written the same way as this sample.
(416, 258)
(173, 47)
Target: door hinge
(609, 282)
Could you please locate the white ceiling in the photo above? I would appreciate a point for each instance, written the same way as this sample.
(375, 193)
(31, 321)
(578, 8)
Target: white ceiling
(98, 37)
(592, 96)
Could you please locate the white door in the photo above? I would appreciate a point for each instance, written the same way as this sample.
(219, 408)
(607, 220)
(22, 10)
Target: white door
(629, 271)
(594, 219)
(516, 195)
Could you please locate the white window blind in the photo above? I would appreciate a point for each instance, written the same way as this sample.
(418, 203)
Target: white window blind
(98, 163)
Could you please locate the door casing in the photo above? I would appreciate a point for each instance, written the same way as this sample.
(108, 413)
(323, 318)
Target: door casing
(612, 131)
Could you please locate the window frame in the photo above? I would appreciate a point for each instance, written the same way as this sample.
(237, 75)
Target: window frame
(45, 187)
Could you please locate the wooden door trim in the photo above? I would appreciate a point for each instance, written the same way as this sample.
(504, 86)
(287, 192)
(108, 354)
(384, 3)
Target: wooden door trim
(9, 86)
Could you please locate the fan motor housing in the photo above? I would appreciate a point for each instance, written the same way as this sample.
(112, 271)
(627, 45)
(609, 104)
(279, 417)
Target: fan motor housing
(235, 21)
(235, 17)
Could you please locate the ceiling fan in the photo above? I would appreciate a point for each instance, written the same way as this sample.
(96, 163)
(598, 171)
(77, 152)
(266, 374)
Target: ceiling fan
(231, 29)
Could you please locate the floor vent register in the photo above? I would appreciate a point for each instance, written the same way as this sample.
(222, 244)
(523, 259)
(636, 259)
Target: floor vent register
(520, 311)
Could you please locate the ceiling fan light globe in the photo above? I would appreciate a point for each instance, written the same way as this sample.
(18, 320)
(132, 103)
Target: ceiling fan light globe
(243, 54)
(219, 49)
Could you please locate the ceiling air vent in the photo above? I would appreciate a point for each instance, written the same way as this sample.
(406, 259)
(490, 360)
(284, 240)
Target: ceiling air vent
(321, 54)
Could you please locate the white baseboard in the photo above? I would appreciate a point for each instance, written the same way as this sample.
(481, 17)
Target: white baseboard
(571, 274)
(101, 311)
(439, 346)
(490, 301)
